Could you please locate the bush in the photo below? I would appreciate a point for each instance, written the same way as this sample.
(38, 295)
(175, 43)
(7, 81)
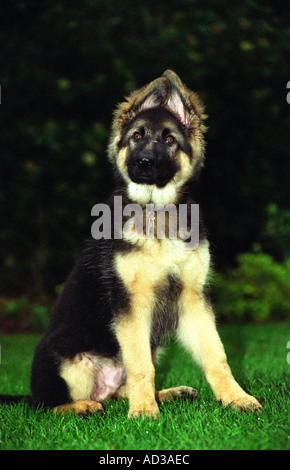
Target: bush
(24, 314)
(66, 65)
(257, 289)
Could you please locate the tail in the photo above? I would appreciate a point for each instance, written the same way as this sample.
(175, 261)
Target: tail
(14, 399)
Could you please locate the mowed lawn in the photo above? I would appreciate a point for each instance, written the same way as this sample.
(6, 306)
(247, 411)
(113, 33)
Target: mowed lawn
(256, 354)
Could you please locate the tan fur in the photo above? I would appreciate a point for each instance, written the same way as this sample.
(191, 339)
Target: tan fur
(197, 332)
(149, 265)
(175, 392)
(129, 109)
(79, 376)
(79, 407)
(133, 335)
(141, 272)
(167, 394)
(145, 193)
(82, 372)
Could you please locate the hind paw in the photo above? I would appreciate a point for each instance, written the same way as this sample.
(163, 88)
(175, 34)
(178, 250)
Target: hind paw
(79, 407)
(176, 393)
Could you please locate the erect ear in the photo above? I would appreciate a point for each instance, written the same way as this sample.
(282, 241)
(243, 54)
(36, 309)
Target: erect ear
(182, 101)
(176, 104)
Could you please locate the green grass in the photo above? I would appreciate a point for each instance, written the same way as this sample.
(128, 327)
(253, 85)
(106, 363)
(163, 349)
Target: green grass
(257, 355)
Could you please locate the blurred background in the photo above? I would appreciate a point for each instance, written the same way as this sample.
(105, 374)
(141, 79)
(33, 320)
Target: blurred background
(63, 68)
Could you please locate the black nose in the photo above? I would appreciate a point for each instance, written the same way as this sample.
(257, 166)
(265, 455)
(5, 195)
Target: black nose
(145, 160)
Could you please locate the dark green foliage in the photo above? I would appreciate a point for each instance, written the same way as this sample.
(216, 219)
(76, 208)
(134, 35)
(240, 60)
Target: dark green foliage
(24, 314)
(257, 289)
(64, 66)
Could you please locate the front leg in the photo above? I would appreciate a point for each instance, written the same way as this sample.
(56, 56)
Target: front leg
(133, 334)
(197, 331)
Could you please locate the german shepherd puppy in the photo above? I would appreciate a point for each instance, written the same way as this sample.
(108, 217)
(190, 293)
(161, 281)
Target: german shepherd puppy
(126, 292)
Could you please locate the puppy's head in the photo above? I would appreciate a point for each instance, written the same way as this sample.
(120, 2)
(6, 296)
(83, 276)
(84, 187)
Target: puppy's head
(157, 141)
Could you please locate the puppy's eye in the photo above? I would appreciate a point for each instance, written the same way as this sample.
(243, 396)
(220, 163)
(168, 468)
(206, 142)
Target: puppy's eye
(137, 136)
(169, 139)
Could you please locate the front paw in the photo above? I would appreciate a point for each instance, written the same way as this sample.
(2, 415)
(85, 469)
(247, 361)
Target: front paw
(150, 410)
(245, 403)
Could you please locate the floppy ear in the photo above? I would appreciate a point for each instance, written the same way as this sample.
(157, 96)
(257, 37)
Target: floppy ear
(150, 96)
(183, 102)
(156, 94)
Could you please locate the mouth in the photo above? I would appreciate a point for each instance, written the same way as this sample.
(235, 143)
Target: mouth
(142, 175)
(143, 179)
(149, 179)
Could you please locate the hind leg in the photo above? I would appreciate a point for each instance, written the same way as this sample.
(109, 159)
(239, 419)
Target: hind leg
(79, 407)
(47, 387)
(164, 395)
(175, 393)
(68, 391)
(167, 394)
(90, 379)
